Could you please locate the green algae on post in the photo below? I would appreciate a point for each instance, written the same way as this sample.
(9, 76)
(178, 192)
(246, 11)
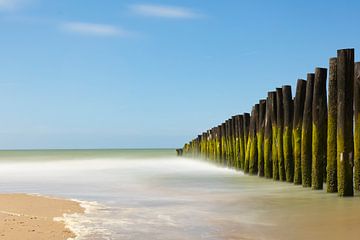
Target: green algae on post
(287, 133)
(298, 116)
(279, 133)
(319, 132)
(241, 142)
(260, 137)
(267, 141)
(345, 87)
(253, 141)
(274, 154)
(331, 167)
(306, 133)
(357, 127)
(246, 141)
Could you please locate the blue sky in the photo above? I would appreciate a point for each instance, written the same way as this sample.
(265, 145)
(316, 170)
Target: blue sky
(108, 74)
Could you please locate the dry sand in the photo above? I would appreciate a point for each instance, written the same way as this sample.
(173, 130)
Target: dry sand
(32, 217)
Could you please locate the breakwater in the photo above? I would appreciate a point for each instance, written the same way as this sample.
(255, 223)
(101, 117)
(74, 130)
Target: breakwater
(308, 139)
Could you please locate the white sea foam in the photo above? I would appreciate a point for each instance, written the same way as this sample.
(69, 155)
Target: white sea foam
(85, 226)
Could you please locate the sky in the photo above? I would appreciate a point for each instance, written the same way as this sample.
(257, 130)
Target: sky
(150, 74)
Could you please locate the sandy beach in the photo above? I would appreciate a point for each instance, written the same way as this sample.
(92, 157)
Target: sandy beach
(25, 216)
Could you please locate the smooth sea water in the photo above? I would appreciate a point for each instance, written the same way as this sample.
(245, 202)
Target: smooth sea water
(152, 194)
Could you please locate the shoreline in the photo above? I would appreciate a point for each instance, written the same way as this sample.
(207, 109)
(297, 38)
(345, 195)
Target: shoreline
(36, 216)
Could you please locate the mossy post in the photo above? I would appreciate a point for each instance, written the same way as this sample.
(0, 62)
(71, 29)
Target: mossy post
(267, 140)
(274, 153)
(279, 133)
(260, 137)
(250, 126)
(223, 144)
(345, 87)
(306, 133)
(235, 142)
(297, 124)
(319, 132)
(241, 141)
(331, 168)
(357, 127)
(227, 126)
(287, 133)
(246, 140)
(253, 168)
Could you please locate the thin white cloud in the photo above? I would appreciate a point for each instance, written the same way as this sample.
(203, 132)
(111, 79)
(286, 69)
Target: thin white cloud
(163, 11)
(9, 5)
(93, 29)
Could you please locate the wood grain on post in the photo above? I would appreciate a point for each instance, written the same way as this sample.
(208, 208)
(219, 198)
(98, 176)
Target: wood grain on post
(357, 127)
(279, 133)
(297, 124)
(241, 142)
(253, 160)
(223, 144)
(345, 86)
(306, 133)
(319, 135)
(331, 168)
(267, 140)
(260, 137)
(246, 139)
(274, 154)
(287, 133)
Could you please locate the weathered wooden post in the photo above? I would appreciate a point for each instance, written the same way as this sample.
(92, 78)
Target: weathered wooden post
(279, 133)
(253, 141)
(357, 126)
(306, 133)
(241, 141)
(223, 144)
(246, 141)
(298, 116)
(274, 154)
(319, 131)
(345, 86)
(331, 168)
(287, 133)
(235, 141)
(218, 143)
(267, 140)
(260, 137)
(249, 141)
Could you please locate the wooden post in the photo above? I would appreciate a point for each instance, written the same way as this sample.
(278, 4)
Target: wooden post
(274, 154)
(218, 143)
(298, 116)
(267, 140)
(253, 166)
(279, 133)
(331, 169)
(260, 137)
(345, 86)
(246, 140)
(287, 133)
(306, 133)
(241, 142)
(223, 144)
(357, 127)
(235, 144)
(319, 131)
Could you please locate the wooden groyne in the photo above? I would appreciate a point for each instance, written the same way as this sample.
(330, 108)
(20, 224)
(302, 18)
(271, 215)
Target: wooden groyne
(309, 139)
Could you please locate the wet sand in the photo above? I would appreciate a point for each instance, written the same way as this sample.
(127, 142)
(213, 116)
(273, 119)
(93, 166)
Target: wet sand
(25, 216)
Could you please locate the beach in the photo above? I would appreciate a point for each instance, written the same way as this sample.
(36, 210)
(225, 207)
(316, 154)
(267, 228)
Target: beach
(24, 216)
(137, 194)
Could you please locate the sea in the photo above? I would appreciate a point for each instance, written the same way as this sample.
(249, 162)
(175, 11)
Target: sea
(140, 194)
